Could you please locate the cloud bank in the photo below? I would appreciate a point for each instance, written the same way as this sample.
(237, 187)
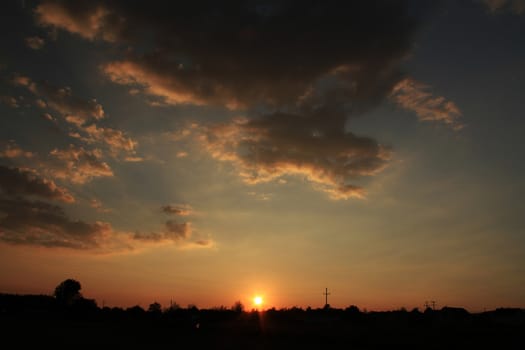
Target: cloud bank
(297, 71)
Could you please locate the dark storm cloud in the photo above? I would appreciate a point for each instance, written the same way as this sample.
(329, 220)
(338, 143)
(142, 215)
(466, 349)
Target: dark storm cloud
(311, 65)
(42, 224)
(240, 53)
(20, 182)
(237, 57)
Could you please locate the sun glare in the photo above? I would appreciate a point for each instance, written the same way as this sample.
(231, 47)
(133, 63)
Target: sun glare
(257, 300)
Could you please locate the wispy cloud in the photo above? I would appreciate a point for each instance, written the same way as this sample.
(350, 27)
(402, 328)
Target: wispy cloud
(78, 165)
(62, 100)
(167, 88)
(97, 204)
(89, 20)
(416, 97)
(35, 42)
(260, 196)
(178, 209)
(11, 150)
(181, 154)
(82, 115)
(116, 140)
(21, 80)
(9, 101)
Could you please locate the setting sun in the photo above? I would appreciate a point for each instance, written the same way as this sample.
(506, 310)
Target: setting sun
(257, 301)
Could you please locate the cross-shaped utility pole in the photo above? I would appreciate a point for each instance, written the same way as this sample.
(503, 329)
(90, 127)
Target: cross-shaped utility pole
(326, 294)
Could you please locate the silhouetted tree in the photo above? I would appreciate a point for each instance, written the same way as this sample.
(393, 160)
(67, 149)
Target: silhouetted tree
(415, 311)
(155, 308)
(84, 307)
(135, 311)
(192, 307)
(352, 309)
(238, 307)
(68, 292)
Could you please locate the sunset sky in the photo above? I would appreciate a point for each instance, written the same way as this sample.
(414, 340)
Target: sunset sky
(205, 152)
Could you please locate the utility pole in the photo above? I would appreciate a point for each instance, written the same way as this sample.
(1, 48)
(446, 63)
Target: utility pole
(326, 294)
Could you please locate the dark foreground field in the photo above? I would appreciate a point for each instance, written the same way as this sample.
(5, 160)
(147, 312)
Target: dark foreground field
(31, 321)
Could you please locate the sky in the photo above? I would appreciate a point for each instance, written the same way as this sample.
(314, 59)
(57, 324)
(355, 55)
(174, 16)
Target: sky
(203, 153)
